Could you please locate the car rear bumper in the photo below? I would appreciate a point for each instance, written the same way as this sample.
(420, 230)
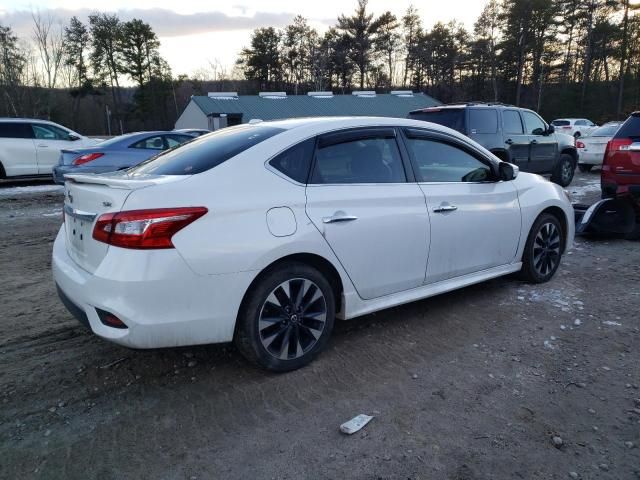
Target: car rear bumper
(589, 158)
(160, 299)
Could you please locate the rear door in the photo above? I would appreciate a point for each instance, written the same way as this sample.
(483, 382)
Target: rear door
(475, 219)
(516, 142)
(375, 222)
(17, 149)
(544, 148)
(49, 141)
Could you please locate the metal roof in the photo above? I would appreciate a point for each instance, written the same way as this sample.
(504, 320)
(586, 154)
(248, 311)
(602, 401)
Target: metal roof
(295, 106)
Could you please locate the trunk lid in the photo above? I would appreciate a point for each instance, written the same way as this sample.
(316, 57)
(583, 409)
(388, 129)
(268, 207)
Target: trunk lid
(88, 196)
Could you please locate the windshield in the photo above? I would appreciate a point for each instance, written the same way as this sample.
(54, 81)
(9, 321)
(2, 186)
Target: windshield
(206, 152)
(605, 131)
(560, 123)
(448, 117)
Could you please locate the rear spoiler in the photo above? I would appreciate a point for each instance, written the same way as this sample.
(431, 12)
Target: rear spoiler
(113, 181)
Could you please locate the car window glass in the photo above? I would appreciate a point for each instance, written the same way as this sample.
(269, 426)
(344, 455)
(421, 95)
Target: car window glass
(295, 161)
(150, 143)
(512, 122)
(206, 152)
(48, 132)
(561, 123)
(15, 130)
(483, 120)
(367, 160)
(534, 125)
(605, 131)
(448, 117)
(175, 140)
(441, 162)
(581, 122)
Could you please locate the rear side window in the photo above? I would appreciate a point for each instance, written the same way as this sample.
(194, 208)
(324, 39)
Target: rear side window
(442, 162)
(448, 117)
(483, 120)
(206, 152)
(366, 160)
(15, 130)
(295, 162)
(512, 122)
(630, 128)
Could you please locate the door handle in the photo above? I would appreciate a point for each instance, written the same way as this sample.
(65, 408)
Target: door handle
(509, 141)
(336, 218)
(534, 142)
(43, 146)
(445, 208)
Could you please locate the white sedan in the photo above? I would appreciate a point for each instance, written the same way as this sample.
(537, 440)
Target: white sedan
(592, 147)
(265, 233)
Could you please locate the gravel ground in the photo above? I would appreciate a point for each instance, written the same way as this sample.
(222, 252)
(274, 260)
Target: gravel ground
(501, 380)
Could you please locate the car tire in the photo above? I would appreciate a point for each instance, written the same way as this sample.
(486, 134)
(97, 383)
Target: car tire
(584, 168)
(564, 171)
(543, 250)
(577, 135)
(271, 317)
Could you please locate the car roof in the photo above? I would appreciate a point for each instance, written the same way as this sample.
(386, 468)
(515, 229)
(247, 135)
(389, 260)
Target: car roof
(28, 120)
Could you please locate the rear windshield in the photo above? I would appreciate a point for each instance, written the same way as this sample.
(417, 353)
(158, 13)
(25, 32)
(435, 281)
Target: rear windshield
(605, 131)
(204, 153)
(630, 128)
(560, 123)
(449, 117)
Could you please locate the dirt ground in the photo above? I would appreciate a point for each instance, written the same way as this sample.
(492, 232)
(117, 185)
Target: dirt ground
(474, 384)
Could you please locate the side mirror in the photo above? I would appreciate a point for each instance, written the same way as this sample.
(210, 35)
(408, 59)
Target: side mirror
(550, 129)
(73, 137)
(508, 171)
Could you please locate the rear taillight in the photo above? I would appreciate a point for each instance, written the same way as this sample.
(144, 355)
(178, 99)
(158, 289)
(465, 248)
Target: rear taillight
(143, 229)
(614, 146)
(579, 144)
(86, 158)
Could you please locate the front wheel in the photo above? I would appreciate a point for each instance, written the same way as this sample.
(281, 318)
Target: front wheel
(584, 168)
(287, 318)
(563, 173)
(543, 250)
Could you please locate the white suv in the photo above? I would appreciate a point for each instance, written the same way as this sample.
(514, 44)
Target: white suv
(32, 147)
(578, 127)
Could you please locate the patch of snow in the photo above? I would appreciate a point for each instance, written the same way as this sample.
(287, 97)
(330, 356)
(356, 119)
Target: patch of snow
(55, 213)
(613, 324)
(29, 189)
(580, 191)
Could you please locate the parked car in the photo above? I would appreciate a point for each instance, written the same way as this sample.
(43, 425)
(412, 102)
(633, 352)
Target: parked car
(621, 165)
(591, 148)
(31, 147)
(196, 132)
(578, 127)
(265, 233)
(117, 153)
(512, 134)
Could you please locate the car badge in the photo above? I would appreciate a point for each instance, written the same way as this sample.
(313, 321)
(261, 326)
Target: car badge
(106, 204)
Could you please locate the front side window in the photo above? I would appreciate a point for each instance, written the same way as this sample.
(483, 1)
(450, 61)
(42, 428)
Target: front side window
(150, 143)
(48, 132)
(15, 130)
(534, 124)
(366, 160)
(581, 122)
(206, 152)
(439, 161)
(483, 120)
(512, 122)
(295, 162)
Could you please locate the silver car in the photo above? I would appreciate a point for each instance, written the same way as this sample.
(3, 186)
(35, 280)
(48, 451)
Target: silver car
(591, 148)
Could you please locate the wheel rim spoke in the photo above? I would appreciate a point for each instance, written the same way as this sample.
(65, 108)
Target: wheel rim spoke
(292, 319)
(546, 249)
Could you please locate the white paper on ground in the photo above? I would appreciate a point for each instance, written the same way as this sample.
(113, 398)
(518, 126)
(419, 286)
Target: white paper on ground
(355, 424)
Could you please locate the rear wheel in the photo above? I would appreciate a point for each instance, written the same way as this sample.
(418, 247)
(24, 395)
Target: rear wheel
(287, 318)
(543, 250)
(3, 174)
(584, 168)
(565, 168)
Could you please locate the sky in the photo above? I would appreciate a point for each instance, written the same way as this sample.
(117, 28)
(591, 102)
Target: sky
(198, 32)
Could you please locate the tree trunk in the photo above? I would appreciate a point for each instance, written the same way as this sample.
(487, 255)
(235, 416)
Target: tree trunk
(623, 58)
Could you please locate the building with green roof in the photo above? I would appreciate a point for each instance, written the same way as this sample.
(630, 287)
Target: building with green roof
(220, 109)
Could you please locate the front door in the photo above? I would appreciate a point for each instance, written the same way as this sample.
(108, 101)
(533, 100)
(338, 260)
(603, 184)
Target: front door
(475, 219)
(544, 147)
(374, 221)
(49, 140)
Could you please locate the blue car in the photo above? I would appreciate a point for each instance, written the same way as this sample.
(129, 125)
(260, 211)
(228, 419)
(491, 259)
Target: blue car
(117, 153)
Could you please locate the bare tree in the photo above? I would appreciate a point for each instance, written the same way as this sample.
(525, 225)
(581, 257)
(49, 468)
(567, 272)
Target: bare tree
(49, 40)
